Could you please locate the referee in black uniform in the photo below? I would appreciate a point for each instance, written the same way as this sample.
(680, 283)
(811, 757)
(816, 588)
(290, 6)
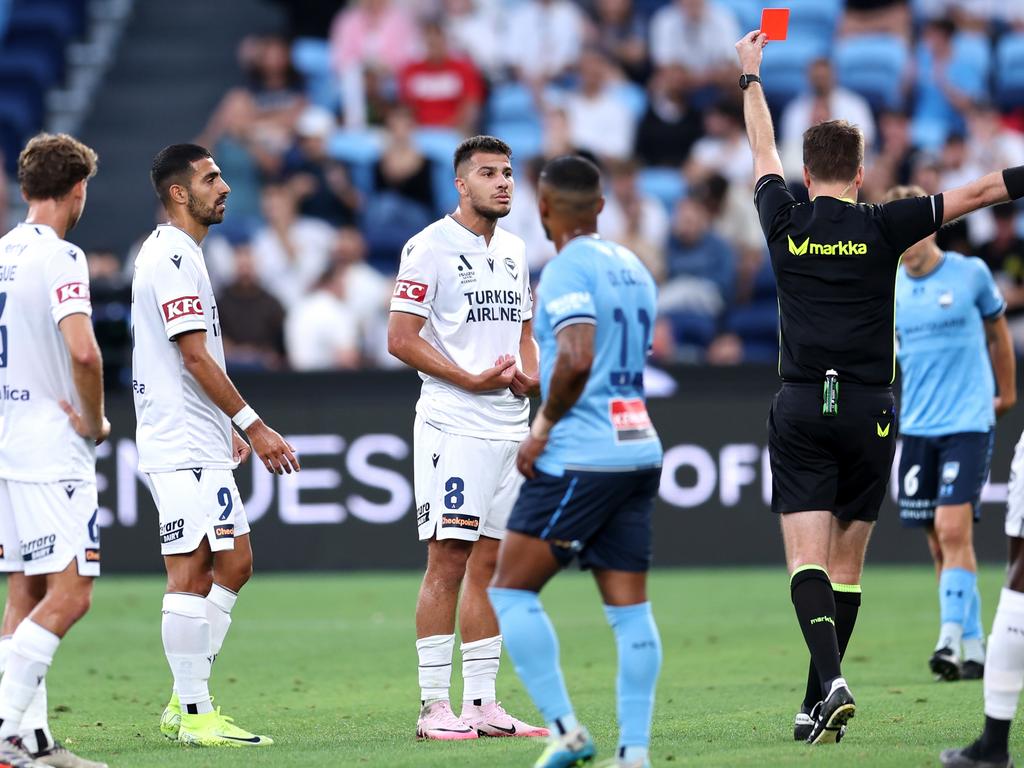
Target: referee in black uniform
(832, 426)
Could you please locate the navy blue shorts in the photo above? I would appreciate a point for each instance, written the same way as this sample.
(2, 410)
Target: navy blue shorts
(941, 471)
(603, 518)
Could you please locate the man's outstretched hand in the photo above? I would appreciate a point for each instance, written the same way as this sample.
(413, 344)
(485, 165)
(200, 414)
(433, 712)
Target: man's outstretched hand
(750, 49)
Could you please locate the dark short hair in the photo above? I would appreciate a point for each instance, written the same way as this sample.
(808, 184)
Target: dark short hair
(833, 150)
(489, 144)
(51, 164)
(173, 165)
(572, 173)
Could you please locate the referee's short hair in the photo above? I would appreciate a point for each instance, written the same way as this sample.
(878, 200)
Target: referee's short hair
(833, 150)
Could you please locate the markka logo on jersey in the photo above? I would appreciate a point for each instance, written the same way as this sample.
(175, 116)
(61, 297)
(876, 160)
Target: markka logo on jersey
(840, 248)
(407, 289)
(182, 307)
(72, 291)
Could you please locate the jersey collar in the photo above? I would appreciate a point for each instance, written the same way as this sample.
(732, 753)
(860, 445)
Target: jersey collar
(42, 229)
(938, 265)
(849, 200)
(461, 233)
(181, 231)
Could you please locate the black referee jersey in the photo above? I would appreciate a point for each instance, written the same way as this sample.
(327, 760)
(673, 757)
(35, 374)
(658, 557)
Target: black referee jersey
(835, 264)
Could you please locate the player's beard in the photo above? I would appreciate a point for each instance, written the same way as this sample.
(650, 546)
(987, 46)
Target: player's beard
(204, 214)
(490, 213)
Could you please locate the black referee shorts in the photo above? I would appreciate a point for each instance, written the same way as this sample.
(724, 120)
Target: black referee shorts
(838, 463)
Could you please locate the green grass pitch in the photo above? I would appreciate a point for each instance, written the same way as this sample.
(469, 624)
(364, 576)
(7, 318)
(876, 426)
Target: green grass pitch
(326, 665)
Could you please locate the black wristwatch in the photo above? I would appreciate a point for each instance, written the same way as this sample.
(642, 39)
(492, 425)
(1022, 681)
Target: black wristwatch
(746, 80)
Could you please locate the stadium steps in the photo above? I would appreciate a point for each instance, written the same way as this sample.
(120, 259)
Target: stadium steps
(174, 62)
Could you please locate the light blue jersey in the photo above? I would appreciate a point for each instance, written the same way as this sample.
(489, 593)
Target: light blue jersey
(599, 282)
(947, 376)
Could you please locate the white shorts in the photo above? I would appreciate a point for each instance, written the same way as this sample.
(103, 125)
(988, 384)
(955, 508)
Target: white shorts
(1015, 493)
(465, 486)
(44, 526)
(195, 504)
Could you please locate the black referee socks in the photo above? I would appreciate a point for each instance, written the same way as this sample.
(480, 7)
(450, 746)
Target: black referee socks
(847, 597)
(815, 605)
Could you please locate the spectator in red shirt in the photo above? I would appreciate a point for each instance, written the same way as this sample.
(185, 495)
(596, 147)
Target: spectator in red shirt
(442, 90)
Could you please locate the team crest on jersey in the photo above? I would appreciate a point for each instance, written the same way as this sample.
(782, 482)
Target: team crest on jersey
(182, 307)
(72, 291)
(950, 472)
(510, 265)
(946, 299)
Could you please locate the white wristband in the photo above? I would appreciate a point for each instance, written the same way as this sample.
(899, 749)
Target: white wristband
(245, 418)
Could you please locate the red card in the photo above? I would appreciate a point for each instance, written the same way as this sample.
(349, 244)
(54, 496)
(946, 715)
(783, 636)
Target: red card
(774, 23)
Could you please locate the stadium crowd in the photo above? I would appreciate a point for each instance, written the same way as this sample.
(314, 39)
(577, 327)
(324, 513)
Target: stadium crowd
(338, 147)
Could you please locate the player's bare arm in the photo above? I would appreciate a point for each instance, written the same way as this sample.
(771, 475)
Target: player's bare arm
(1004, 364)
(87, 371)
(568, 379)
(405, 343)
(275, 453)
(760, 130)
(526, 382)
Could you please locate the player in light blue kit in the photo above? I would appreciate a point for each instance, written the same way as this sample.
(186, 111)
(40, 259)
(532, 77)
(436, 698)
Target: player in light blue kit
(952, 334)
(593, 465)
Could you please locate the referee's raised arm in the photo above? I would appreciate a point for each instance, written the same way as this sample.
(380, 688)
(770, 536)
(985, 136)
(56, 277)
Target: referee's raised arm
(760, 130)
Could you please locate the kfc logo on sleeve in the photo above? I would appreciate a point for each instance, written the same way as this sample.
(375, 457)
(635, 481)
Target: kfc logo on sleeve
(72, 291)
(181, 307)
(407, 289)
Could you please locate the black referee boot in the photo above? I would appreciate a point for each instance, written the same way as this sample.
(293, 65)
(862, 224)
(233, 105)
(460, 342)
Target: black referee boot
(831, 715)
(971, 757)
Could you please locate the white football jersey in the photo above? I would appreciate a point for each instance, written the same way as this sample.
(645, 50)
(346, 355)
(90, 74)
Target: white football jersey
(178, 426)
(43, 279)
(475, 298)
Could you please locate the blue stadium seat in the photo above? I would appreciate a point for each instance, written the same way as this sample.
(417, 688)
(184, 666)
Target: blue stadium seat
(873, 66)
(359, 150)
(525, 138)
(633, 97)
(784, 68)
(692, 328)
(813, 20)
(747, 12)
(512, 102)
(53, 15)
(974, 51)
(389, 220)
(438, 144)
(665, 184)
(1009, 75)
(312, 58)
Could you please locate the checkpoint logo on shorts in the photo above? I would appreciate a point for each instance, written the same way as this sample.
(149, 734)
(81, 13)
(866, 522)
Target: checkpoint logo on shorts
(172, 531)
(182, 307)
(72, 291)
(224, 530)
(472, 522)
(630, 421)
(407, 289)
(38, 548)
(92, 555)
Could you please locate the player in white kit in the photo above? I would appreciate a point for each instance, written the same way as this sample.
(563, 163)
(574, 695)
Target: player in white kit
(51, 419)
(460, 315)
(185, 405)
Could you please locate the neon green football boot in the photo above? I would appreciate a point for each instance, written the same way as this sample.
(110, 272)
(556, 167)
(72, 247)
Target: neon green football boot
(170, 720)
(216, 730)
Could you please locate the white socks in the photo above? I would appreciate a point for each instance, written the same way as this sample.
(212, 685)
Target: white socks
(186, 635)
(1004, 668)
(219, 603)
(950, 636)
(480, 669)
(31, 653)
(435, 654)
